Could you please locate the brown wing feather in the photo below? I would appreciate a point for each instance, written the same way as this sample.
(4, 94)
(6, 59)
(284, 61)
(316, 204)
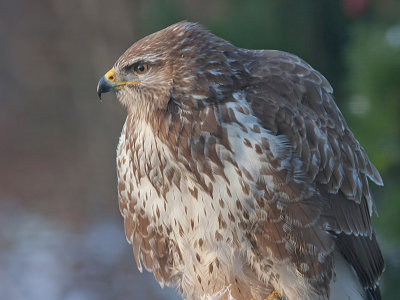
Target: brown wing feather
(292, 99)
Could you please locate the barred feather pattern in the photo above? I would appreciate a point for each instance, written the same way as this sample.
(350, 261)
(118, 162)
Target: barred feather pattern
(238, 175)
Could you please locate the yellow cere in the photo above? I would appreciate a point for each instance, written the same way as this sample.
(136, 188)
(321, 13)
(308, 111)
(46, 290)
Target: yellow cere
(110, 75)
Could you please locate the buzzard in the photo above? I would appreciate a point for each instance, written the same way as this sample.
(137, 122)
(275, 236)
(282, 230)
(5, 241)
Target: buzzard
(237, 173)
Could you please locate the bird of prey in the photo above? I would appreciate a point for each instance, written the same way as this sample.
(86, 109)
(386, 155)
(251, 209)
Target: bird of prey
(237, 173)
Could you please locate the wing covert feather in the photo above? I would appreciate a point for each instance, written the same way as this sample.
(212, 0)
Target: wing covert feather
(290, 98)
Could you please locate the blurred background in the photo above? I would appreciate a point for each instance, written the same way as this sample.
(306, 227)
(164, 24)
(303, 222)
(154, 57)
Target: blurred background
(61, 234)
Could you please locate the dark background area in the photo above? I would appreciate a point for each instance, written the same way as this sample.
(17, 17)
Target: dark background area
(61, 234)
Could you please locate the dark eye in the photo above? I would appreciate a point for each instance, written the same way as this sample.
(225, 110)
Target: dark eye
(140, 68)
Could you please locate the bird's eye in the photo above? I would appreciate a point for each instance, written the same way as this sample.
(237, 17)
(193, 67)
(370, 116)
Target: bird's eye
(140, 68)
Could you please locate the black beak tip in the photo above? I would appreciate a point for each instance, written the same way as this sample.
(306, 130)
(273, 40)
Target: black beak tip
(100, 86)
(99, 91)
(104, 86)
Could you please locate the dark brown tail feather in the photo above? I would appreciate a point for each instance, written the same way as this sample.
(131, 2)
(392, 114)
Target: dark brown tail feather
(364, 254)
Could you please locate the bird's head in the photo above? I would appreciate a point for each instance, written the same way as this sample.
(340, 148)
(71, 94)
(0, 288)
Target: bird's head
(183, 62)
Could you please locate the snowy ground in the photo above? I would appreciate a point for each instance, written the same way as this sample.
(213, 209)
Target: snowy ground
(45, 260)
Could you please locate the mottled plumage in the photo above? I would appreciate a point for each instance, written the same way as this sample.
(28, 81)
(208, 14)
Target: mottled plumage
(237, 173)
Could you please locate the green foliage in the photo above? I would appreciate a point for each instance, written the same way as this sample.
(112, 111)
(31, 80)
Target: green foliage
(373, 113)
(374, 72)
(373, 109)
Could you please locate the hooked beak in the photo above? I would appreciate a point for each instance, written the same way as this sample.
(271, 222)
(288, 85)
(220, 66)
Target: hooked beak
(106, 83)
(109, 83)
